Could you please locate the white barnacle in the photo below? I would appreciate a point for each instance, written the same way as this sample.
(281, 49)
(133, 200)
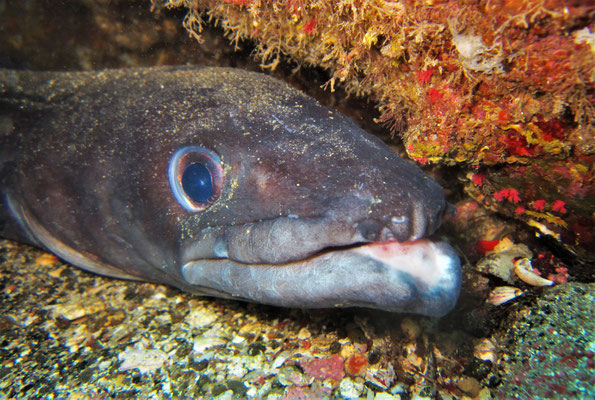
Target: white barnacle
(474, 54)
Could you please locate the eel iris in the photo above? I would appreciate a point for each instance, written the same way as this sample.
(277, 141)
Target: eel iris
(220, 182)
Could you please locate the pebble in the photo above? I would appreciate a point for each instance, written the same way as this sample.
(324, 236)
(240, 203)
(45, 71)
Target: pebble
(143, 360)
(351, 389)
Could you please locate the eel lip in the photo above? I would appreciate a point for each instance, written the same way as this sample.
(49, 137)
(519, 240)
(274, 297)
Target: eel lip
(420, 277)
(274, 241)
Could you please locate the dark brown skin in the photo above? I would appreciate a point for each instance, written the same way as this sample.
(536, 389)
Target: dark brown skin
(84, 160)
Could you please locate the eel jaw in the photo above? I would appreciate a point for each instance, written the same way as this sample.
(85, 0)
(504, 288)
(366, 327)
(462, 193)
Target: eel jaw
(420, 277)
(273, 241)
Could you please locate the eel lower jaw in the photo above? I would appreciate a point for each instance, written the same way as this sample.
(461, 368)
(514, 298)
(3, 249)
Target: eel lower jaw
(420, 277)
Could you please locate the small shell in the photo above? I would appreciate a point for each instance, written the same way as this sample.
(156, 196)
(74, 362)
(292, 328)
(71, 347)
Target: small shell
(523, 269)
(502, 294)
(485, 350)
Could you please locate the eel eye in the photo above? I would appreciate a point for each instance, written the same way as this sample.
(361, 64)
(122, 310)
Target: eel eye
(196, 177)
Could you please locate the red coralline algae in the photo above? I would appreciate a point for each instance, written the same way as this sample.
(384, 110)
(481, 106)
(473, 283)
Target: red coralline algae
(551, 130)
(519, 210)
(501, 195)
(538, 205)
(324, 368)
(435, 96)
(309, 27)
(517, 145)
(509, 194)
(560, 276)
(559, 206)
(478, 179)
(423, 77)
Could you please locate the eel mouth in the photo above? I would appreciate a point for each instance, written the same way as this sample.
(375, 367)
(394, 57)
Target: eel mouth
(419, 276)
(287, 239)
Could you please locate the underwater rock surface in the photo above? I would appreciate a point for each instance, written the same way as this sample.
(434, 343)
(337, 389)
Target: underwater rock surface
(550, 346)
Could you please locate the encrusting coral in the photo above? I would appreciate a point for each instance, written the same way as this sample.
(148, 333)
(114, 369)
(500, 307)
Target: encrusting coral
(503, 87)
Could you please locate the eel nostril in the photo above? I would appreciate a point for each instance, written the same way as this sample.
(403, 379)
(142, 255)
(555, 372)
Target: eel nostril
(369, 230)
(401, 227)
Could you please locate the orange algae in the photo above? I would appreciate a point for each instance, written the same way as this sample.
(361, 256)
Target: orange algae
(356, 364)
(484, 65)
(46, 259)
